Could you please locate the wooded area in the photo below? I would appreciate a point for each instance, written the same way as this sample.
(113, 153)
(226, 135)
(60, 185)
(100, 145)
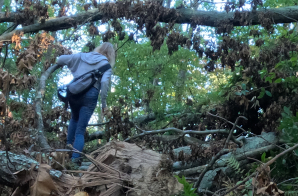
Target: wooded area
(203, 100)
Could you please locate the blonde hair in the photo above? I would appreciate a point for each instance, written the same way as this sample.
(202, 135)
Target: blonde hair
(108, 51)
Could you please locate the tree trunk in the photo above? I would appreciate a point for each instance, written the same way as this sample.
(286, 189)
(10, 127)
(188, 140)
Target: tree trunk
(11, 164)
(41, 138)
(185, 15)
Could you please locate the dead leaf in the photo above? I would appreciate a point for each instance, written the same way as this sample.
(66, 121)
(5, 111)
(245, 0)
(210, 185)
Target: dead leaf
(44, 184)
(2, 104)
(23, 176)
(82, 194)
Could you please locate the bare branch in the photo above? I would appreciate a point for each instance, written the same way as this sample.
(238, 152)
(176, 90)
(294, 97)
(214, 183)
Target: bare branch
(98, 124)
(214, 159)
(41, 138)
(231, 131)
(239, 157)
(244, 130)
(178, 131)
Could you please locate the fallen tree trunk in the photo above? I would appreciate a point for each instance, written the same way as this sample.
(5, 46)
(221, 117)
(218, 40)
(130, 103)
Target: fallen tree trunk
(11, 164)
(116, 167)
(253, 147)
(208, 18)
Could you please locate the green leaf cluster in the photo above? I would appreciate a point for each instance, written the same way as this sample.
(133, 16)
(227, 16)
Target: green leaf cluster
(289, 126)
(188, 189)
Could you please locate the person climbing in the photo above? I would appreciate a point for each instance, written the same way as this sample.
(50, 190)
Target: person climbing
(82, 106)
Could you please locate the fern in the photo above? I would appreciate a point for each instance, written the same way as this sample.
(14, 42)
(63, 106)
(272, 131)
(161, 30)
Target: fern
(291, 193)
(188, 190)
(234, 164)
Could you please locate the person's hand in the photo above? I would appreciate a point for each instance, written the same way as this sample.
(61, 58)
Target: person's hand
(105, 110)
(103, 113)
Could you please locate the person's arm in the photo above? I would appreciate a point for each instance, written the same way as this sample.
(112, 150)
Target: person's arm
(105, 80)
(64, 60)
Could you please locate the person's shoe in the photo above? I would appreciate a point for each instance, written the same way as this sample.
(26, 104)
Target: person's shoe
(73, 164)
(76, 161)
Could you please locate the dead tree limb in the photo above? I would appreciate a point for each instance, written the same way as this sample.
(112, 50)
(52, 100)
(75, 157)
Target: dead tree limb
(214, 159)
(242, 129)
(223, 162)
(41, 138)
(21, 162)
(231, 131)
(179, 131)
(184, 15)
(97, 124)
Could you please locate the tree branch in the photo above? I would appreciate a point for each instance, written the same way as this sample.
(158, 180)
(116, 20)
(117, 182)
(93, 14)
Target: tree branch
(184, 132)
(97, 124)
(231, 131)
(185, 15)
(239, 157)
(41, 139)
(217, 156)
(177, 131)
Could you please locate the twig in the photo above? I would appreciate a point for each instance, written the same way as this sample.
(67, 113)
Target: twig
(98, 124)
(76, 151)
(255, 160)
(87, 20)
(244, 130)
(125, 41)
(231, 131)
(239, 184)
(285, 16)
(253, 187)
(173, 121)
(215, 2)
(139, 128)
(181, 136)
(279, 155)
(227, 121)
(214, 159)
(184, 132)
(208, 192)
(287, 180)
(218, 191)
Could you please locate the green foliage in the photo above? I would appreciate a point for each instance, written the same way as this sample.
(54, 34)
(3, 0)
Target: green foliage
(291, 193)
(289, 126)
(234, 164)
(247, 190)
(187, 190)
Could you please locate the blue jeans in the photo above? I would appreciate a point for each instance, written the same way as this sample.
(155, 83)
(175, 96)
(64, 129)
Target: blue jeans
(82, 109)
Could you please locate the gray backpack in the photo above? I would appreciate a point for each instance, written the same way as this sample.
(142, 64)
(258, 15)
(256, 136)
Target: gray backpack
(81, 84)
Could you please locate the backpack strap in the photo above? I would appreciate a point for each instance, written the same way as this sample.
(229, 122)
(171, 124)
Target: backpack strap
(99, 72)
